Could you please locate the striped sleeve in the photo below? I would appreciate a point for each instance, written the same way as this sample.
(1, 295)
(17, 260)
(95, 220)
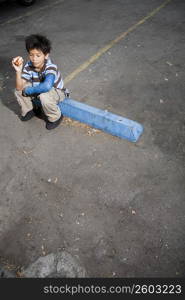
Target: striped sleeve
(26, 74)
(51, 69)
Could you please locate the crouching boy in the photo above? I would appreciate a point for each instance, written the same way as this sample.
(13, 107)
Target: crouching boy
(39, 78)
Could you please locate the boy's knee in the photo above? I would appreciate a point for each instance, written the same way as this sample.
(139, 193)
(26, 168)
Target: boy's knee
(43, 99)
(16, 92)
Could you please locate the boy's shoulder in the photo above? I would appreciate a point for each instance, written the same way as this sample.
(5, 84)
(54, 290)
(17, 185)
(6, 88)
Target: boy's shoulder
(28, 66)
(49, 63)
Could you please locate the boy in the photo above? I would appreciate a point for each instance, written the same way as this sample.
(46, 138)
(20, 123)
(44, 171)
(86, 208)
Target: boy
(39, 78)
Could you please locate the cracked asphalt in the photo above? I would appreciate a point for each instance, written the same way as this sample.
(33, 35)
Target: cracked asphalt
(119, 207)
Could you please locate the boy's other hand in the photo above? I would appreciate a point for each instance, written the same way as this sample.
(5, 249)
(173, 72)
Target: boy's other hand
(17, 63)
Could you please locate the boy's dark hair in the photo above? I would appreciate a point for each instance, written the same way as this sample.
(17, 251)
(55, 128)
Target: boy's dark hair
(39, 42)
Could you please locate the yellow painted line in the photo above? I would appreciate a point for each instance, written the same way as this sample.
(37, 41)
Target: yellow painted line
(95, 57)
(32, 12)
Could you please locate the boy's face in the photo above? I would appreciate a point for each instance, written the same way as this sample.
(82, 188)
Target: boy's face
(37, 58)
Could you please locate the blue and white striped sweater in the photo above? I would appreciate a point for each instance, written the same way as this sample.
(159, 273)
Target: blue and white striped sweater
(35, 78)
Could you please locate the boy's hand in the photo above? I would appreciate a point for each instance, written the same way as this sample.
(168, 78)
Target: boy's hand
(17, 63)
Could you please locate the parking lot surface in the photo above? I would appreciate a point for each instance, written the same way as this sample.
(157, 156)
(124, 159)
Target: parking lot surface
(117, 206)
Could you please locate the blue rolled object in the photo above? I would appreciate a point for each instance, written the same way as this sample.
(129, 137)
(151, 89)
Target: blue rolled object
(101, 119)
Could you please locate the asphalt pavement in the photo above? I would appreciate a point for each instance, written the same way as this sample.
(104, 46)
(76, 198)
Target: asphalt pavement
(117, 206)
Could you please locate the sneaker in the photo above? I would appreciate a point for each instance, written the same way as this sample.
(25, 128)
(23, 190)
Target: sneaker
(28, 116)
(52, 125)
